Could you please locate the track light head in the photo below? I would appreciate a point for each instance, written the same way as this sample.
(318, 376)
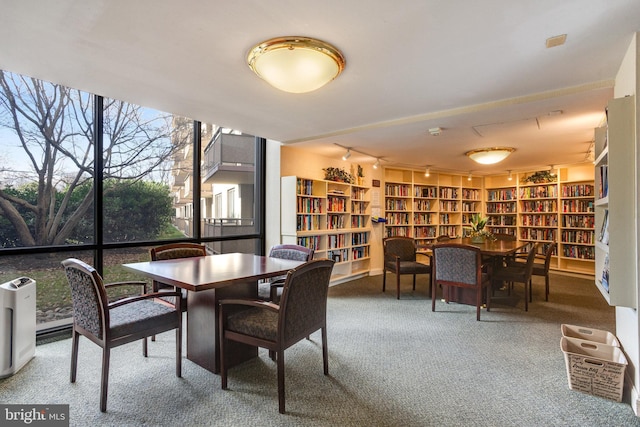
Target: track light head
(346, 155)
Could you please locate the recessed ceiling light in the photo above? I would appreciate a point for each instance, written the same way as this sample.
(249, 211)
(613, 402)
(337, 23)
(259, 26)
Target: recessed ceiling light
(435, 131)
(556, 40)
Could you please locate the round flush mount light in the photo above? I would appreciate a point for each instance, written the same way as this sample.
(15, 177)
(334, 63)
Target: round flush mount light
(489, 156)
(296, 64)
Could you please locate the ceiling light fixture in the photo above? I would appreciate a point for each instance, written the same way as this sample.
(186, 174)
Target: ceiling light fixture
(427, 172)
(489, 156)
(510, 176)
(376, 165)
(296, 64)
(470, 177)
(346, 155)
(435, 131)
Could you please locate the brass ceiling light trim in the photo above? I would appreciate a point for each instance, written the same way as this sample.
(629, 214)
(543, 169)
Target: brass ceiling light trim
(296, 64)
(489, 156)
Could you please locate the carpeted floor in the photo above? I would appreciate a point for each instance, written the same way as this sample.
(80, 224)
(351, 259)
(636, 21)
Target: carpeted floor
(392, 363)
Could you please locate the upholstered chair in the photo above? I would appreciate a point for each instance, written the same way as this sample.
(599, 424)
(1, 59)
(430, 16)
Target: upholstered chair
(518, 272)
(400, 258)
(113, 324)
(302, 311)
(271, 290)
(458, 265)
(175, 251)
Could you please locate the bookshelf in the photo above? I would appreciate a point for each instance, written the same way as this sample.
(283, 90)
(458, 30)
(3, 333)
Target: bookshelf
(502, 205)
(615, 204)
(333, 218)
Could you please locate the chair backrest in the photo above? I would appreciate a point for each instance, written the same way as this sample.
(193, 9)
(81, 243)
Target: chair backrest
(457, 263)
(292, 252)
(547, 256)
(505, 237)
(531, 257)
(177, 250)
(443, 238)
(403, 247)
(89, 298)
(303, 305)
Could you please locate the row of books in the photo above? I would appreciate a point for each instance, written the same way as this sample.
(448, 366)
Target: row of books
(577, 190)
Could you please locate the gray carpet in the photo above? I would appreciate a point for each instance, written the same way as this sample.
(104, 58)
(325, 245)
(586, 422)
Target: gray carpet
(392, 363)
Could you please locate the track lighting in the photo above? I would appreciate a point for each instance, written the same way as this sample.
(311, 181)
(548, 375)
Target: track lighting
(427, 172)
(469, 177)
(510, 176)
(346, 155)
(376, 164)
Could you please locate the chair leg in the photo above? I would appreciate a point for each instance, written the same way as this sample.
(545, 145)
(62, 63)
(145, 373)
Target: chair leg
(546, 287)
(280, 362)
(106, 354)
(478, 302)
(145, 347)
(223, 365)
(530, 290)
(325, 353)
(179, 352)
(75, 338)
(414, 282)
(489, 298)
(384, 279)
(397, 285)
(526, 292)
(434, 291)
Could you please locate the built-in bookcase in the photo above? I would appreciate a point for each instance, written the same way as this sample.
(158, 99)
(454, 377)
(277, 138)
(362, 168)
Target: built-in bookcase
(333, 218)
(615, 204)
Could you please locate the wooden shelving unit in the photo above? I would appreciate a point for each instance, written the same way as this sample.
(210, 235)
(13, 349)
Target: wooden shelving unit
(560, 211)
(615, 203)
(333, 218)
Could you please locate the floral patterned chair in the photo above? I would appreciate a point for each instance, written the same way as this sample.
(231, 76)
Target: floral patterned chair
(113, 324)
(458, 265)
(271, 290)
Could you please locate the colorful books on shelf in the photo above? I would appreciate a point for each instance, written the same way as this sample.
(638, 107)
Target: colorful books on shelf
(603, 181)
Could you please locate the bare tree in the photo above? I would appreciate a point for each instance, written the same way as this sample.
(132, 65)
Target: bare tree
(54, 126)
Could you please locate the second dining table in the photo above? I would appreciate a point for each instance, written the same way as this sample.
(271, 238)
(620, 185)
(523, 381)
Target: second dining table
(208, 279)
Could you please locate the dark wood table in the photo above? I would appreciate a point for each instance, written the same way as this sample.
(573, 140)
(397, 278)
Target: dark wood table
(495, 249)
(208, 280)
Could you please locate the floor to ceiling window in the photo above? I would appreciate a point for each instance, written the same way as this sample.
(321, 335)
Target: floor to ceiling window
(103, 180)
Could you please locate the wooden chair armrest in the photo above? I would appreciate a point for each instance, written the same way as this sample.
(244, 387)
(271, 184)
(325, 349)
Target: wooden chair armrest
(250, 303)
(153, 295)
(135, 283)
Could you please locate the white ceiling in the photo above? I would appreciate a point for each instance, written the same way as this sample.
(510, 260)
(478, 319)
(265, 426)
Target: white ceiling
(477, 69)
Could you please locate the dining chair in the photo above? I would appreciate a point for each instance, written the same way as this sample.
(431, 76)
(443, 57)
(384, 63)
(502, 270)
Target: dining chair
(400, 258)
(175, 251)
(302, 311)
(271, 290)
(111, 324)
(459, 266)
(542, 269)
(518, 272)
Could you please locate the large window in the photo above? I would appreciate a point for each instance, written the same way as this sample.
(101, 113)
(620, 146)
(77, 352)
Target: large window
(57, 201)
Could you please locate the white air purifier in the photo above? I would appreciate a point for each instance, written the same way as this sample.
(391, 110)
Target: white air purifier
(17, 324)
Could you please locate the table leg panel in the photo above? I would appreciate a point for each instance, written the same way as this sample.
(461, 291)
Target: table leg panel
(202, 327)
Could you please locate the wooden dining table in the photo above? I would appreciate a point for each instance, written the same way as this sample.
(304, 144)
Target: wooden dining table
(496, 250)
(209, 279)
